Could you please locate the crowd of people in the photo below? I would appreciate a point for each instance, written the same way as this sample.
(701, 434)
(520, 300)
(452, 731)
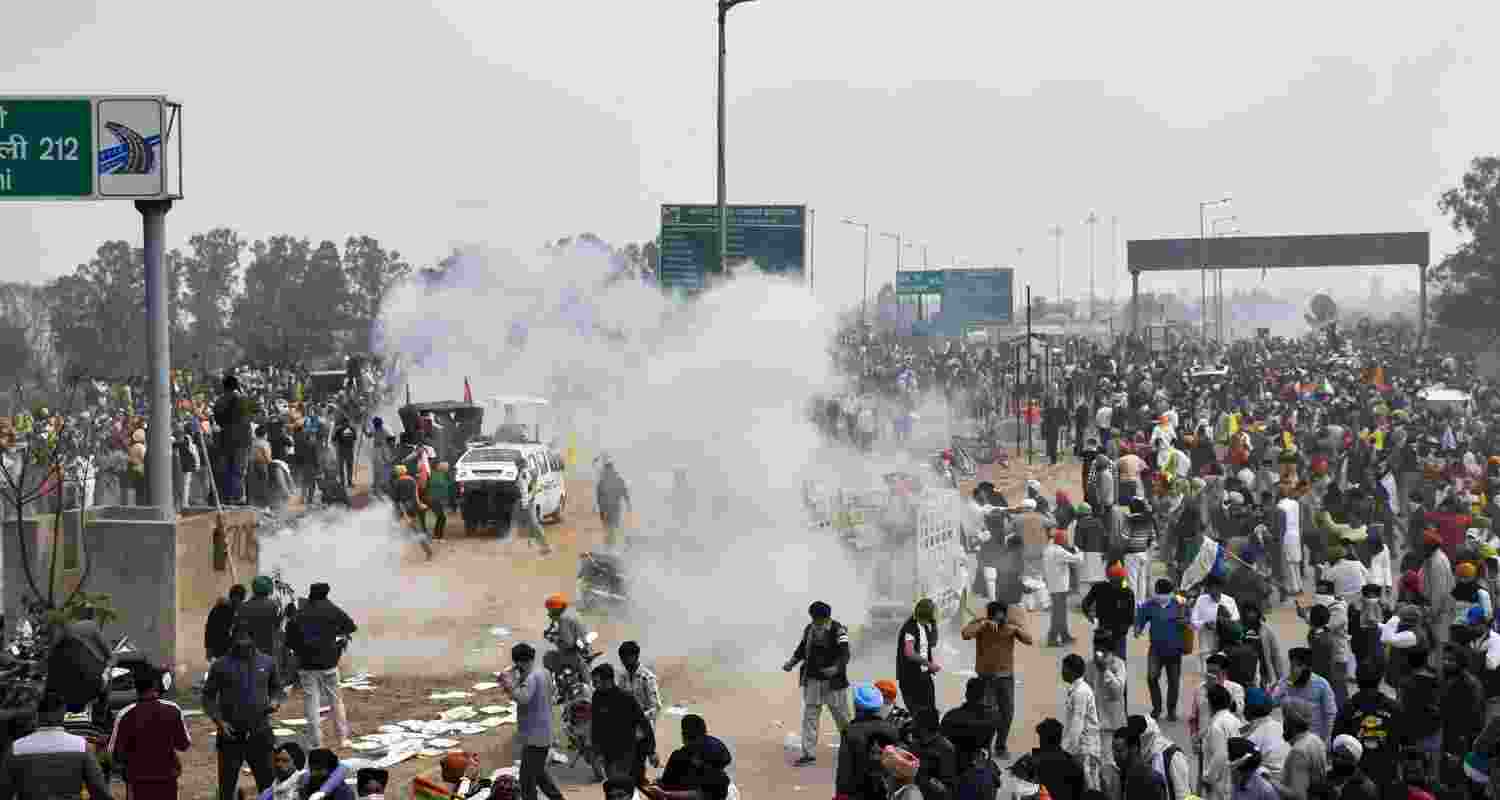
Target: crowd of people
(1351, 474)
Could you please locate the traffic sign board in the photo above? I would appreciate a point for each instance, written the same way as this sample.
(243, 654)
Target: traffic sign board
(773, 237)
(46, 149)
(920, 282)
(85, 148)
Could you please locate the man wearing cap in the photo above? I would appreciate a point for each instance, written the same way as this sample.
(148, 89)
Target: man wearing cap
(1437, 586)
(261, 615)
(318, 635)
(1057, 560)
(1265, 730)
(1346, 777)
(566, 632)
(147, 737)
(1247, 778)
(1110, 605)
(1307, 761)
(1468, 594)
(857, 774)
(823, 653)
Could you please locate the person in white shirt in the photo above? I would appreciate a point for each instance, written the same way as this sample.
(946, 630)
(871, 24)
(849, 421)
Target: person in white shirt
(1348, 575)
(1081, 719)
(1291, 545)
(1057, 560)
(1211, 606)
(1265, 731)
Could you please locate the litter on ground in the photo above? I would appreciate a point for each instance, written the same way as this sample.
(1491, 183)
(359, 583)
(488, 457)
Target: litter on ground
(485, 687)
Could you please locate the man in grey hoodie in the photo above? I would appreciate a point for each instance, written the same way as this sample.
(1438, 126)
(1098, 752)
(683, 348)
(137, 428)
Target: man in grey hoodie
(532, 688)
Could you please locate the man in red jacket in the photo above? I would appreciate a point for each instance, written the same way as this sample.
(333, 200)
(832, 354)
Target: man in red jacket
(147, 738)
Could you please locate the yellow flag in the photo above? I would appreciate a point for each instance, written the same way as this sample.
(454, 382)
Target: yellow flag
(1286, 439)
(1234, 423)
(1379, 440)
(297, 392)
(571, 456)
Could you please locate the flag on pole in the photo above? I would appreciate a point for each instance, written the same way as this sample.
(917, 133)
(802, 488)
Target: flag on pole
(468, 392)
(408, 394)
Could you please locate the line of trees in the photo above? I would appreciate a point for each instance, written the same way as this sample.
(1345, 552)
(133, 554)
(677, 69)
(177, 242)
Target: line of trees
(282, 299)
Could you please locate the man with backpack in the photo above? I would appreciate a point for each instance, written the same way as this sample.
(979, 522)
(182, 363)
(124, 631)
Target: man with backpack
(318, 635)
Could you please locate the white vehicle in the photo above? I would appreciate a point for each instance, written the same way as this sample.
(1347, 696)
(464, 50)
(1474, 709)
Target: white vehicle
(488, 477)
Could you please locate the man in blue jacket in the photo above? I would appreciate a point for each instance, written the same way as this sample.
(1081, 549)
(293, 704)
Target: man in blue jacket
(1166, 615)
(240, 695)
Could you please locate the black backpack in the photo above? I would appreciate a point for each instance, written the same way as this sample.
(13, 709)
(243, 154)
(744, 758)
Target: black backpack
(1166, 768)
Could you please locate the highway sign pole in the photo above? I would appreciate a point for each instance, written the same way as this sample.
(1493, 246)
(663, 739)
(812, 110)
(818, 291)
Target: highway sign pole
(81, 148)
(159, 351)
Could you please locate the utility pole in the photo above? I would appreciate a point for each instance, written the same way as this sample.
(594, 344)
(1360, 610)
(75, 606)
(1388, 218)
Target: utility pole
(1093, 223)
(1057, 233)
(1114, 262)
(159, 350)
(724, 6)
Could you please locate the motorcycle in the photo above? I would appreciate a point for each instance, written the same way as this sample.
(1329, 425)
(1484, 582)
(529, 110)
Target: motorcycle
(601, 582)
(575, 698)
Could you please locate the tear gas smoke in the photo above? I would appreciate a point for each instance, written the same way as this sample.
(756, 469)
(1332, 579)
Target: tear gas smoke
(717, 389)
(358, 554)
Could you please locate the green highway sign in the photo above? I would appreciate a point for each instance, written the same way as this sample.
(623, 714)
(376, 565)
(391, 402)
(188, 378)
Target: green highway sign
(773, 237)
(88, 148)
(920, 282)
(46, 148)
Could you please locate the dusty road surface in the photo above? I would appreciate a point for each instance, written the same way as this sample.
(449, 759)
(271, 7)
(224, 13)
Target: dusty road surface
(489, 583)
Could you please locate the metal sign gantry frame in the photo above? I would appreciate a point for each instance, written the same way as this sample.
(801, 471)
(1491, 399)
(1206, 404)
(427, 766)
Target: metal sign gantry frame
(1279, 252)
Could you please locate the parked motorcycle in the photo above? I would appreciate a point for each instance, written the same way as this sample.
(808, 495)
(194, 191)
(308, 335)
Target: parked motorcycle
(601, 582)
(575, 698)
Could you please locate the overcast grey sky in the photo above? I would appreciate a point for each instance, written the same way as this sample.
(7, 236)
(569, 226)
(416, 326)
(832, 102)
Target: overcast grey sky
(971, 126)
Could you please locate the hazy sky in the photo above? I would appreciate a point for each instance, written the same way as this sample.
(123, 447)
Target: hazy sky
(971, 126)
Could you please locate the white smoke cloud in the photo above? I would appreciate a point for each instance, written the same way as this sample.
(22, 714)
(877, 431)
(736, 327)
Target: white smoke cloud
(718, 388)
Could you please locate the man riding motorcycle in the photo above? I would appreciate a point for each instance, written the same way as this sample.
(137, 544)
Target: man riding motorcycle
(568, 635)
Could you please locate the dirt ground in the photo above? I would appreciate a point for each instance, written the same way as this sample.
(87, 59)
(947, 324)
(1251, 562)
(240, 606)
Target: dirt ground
(500, 583)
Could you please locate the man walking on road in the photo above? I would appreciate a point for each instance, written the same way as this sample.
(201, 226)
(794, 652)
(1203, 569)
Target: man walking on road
(613, 499)
(823, 654)
(535, 694)
(639, 681)
(995, 639)
(318, 635)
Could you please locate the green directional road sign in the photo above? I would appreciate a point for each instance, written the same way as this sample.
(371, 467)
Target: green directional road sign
(46, 148)
(773, 237)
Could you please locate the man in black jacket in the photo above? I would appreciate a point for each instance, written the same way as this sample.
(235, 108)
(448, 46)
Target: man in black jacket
(623, 737)
(938, 775)
(1056, 769)
(823, 653)
(344, 438)
(219, 631)
(318, 635)
(234, 440)
(240, 695)
(971, 727)
(261, 616)
(1111, 605)
(1370, 717)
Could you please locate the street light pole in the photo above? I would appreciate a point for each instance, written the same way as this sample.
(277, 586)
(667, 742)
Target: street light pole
(1213, 227)
(1057, 233)
(1203, 207)
(1114, 263)
(1093, 223)
(865, 295)
(724, 6)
